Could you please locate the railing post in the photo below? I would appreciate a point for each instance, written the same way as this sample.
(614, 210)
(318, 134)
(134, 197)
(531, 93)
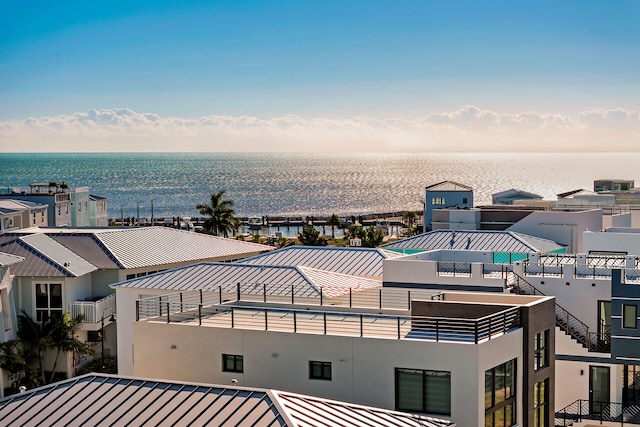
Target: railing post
(350, 296)
(380, 298)
(437, 330)
(398, 327)
(476, 332)
(320, 295)
(361, 334)
(324, 319)
(160, 305)
(232, 319)
(238, 292)
(181, 306)
(266, 320)
(220, 293)
(454, 269)
(594, 272)
(408, 300)
(292, 295)
(199, 314)
(264, 292)
(200, 296)
(168, 309)
(137, 310)
(295, 322)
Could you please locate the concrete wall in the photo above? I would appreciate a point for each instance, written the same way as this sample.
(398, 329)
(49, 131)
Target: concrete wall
(565, 228)
(363, 369)
(625, 242)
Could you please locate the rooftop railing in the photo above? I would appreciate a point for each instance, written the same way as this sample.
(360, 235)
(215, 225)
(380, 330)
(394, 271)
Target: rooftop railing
(186, 309)
(92, 311)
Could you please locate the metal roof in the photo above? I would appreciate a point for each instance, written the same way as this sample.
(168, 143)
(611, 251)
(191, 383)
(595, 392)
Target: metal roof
(92, 249)
(477, 240)
(352, 261)
(149, 246)
(515, 192)
(8, 259)
(102, 400)
(15, 205)
(448, 186)
(42, 257)
(306, 282)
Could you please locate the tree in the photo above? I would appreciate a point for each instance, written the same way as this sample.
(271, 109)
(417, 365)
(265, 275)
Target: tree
(64, 340)
(220, 215)
(333, 221)
(410, 218)
(372, 237)
(309, 236)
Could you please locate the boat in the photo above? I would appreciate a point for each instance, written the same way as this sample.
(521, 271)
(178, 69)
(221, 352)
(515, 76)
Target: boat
(255, 223)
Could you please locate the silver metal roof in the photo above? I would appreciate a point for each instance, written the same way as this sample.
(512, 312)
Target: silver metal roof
(448, 186)
(515, 192)
(149, 246)
(352, 261)
(306, 282)
(477, 240)
(8, 259)
(17, 205)
(58, 254)
(102, 400)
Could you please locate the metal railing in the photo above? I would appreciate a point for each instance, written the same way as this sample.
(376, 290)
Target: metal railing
(455, 269)
(566, 321)
(303, 320)
(91, 311)
(582, 410)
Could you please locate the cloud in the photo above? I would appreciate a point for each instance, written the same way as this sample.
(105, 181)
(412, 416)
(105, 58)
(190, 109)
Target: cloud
(468, 128)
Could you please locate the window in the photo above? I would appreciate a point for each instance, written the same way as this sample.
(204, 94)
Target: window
(319, 370)
(34, 218)
(541, 350)
(48, 300)
(540, 404)
(437, 201)
(465, 200)
(131, 276)
(58, 210)
(232, 363)
(423, 391)
(500, 395)
(629, 316)
(42, 217)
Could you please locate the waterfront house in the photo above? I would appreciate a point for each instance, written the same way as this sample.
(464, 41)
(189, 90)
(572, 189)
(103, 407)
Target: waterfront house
(511, 196)
(445, 194)
(18, 214)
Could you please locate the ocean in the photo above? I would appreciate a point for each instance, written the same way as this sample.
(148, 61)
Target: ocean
(300, 184)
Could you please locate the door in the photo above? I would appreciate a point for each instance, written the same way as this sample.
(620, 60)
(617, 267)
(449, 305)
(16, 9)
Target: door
(599, 394)
(604, 321)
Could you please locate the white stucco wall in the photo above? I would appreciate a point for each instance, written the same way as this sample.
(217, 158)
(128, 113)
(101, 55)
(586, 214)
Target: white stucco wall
(363, 369)
(628, 242)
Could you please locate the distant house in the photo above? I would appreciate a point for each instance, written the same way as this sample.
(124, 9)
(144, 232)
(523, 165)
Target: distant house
(445, 194)
(600, 185)
(508, 197)
(19, 214)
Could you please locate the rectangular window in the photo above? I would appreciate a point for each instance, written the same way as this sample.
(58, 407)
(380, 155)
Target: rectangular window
(58, 210)
(541, 352)
(232, 363)
(465, 200)
(540, 404)
(500, 395)
(629, 316)
(437, 201)
(34, 218)
(48, 300)
(424, 391)
(319, 370)
(131, 276)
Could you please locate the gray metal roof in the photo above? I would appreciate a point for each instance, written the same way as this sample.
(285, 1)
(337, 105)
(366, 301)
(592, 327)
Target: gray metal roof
(92, 249)
(149, 246)
(352, 261)
(8, 259)
(306, 282)
(477, 240)
(18, 205)
(101, 400)
(448, 186)
(515, 192)
(37, 260)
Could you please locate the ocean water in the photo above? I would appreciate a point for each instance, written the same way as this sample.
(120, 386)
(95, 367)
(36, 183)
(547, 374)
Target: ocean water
(296, 184)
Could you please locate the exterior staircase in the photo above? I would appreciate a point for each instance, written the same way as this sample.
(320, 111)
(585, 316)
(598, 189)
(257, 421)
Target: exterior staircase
(566, 321)
(582, 410)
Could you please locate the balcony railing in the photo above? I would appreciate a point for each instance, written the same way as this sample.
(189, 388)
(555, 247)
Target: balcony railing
(92, 311)
(187, 308)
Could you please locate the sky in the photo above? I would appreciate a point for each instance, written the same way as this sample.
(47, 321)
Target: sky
(416, 76)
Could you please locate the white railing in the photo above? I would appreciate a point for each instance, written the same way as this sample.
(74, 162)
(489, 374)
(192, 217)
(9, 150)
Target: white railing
(94, 311)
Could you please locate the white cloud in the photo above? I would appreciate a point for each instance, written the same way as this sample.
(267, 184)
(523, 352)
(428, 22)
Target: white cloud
(468, 128)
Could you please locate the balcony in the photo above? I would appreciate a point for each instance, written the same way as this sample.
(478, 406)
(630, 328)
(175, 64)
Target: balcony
(93, 312)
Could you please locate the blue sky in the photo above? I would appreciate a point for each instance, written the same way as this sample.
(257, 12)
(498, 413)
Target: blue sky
(316, 60)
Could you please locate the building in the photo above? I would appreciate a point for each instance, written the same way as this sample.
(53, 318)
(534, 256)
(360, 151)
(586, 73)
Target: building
(601, 185)
(509, 197)
(116, 400)
(19, 214)
(445, 194)
(477, 359)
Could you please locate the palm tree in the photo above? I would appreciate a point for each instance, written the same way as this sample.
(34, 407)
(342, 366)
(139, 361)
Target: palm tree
(35, 338)
(64, 340)
(410, 218)
(333, 221)
(221, 216)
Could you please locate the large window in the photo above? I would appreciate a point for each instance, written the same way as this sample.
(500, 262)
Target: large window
(437, 200)
(48, 300)
(541, 350)
(423, 391)
(629, 316)
(319, 370)
(540, 405)
(232, 363)
(500, 395)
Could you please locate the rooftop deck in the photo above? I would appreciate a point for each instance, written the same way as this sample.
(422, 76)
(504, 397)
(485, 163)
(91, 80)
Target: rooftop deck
(327, 320)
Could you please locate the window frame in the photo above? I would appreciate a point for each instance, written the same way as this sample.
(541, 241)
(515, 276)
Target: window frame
(540, 403)
(43, 312)
(236, 365)
(325, 370)
(541, 350)
(425, 407)
(506, 401)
